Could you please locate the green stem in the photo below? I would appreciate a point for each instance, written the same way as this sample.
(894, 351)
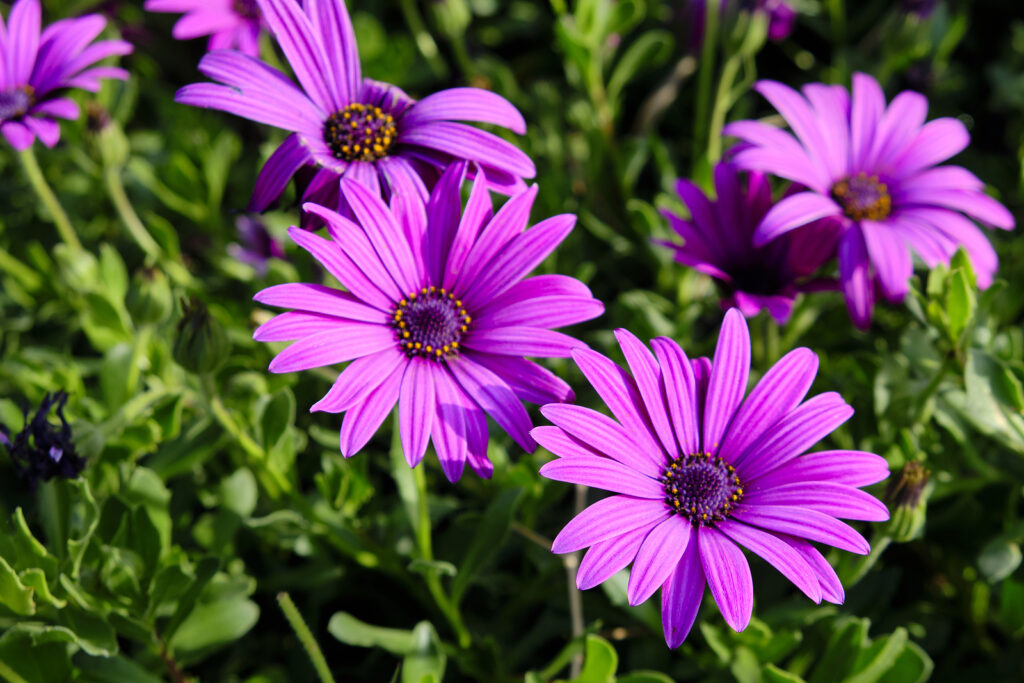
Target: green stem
(707, 70)
(115, 188)
(10, 675)
(864, 564)
(572, 563)
(837, 17)
(42, 189)
(426, 548)
(723, 102)
(925, 396)
(424, 41)
(305, 637)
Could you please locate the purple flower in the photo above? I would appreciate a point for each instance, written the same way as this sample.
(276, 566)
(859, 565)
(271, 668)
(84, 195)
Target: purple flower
(698, 472)
(42, 450)
(781, 17)
(345, 125)
(35, 66)
(231, 24)
(874, 167)
(436, 318)
(718, 241)
(257, 245)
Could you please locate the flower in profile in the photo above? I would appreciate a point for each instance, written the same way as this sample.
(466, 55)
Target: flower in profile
(38, 65)
(344, 125)
(699, 471)
(437, 317)
(256, 245)
(874, 167)
(231, 24)
(43, 450)
(718, 241)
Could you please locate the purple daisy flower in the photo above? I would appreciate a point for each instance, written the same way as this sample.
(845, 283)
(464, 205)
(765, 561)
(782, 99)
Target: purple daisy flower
(698, 472)
(874, 167)
(437, 320)
(231, 24)
(718, 241)
(344, 125)
(37, 65)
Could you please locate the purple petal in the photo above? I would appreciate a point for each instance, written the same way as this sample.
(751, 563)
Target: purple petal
(465, 104)
(658, 557)
(647, 375)
(547, 286)
(831, 117)
(975, 204)
(491, 393)
(937, 141)
(867, 109)
(800, 117)
(803, 523)
(294, 325)
(728, 576)
(297, 39)
(416, 409)
(61, 108)
(472, 144)
(855, 277)
(443, 213)
(890, 257)
(332, 24)
(837, 500)
(358, 379)
(680, 392)
(331, 256)
(557, 441)
(779, 391)
(343, 343)
(681, 596)
(775, 552)
(319, 299)
(20, 137)
(522, 341)
(23, 24)
(619, 392)
(608, 518)
(606, 436)
(904, 116)
(795, 433)
(382, 230)
(850, 468)
(606, 558)
(831, 587)
(364, 418)
(776, 152)
(478, 211)
(529, 381)
(728, 382)
(542, 312)
(603, 473)
(46, 130)
(793, 212)
(448, 431)
(510, 221)
(278, 171)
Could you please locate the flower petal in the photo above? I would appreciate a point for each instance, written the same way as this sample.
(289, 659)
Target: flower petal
(319, 299)
(681, 596)
(680, 392)
(358, 379)
(803, 523)
(837, 500)
(850, 468)
(657, 558)
(647, 375)
(775, 552)
(491, 393)
(603, 473)
(606, 558)
(466, 104)
(608, 518)
(855, 277)
(793, 212)
(606, 436)
(338, 345)
(365, 417)
(416, 409)
(728, 576)
(728, 382)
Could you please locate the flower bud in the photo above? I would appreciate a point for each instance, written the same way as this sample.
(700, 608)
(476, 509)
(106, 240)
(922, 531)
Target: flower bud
(200, 345)
(149, 298)
(907, 496)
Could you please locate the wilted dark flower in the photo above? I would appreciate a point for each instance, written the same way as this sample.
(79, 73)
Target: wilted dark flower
(42, 450)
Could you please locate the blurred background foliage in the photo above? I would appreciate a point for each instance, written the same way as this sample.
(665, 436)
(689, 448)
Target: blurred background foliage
(209, 488)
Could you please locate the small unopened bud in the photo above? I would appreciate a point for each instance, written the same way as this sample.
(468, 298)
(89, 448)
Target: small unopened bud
(149, 299)
(200, 345)
(907, 497)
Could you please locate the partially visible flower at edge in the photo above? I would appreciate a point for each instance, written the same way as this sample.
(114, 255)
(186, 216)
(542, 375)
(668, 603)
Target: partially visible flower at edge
(874, 167)
(257, 245)
(699, 471)
(231, 24)
(437, 318)
(344, 125)
(42, 450)
(718, 241)
(781, 17)
(38, 63)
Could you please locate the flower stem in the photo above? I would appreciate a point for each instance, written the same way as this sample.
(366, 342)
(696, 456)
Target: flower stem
(707, 70)
(316, 656)
(572, 562)
(45, 193)
(423, 540)
(115, 188)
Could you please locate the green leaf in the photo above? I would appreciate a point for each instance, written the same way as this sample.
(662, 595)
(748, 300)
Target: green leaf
(111, 670)
(998, 559)
(30, 552)
(773, 674)
(912, 666)
(490, 533)
(92, 633)
(439, 567)
(213, 625)
(115, 373)
(277, 417)
(600, 661)
(962, 261)
(427, 661)
(879, 657)
(86, 516)
(1011, 605)
(352, 631)
(745, 666)
(205, 570)
(844, 646)
(105, 322)
(648, 51)
(644, 676)
(35, 579)
(113, 272)
(13, 593)
(960, 303)
(239, 492)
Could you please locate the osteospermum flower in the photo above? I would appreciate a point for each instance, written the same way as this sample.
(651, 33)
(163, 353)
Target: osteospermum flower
(718, 241)
(436, 318)
(874, 167)
(231, 24)
(37, 66)
(699, 472)
(345, 125)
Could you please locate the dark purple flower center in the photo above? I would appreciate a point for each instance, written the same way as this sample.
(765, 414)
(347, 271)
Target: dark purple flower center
(360, 132)
(701, 488)
(247, 9)
(15, 103)
(863, 197)
(430, 323)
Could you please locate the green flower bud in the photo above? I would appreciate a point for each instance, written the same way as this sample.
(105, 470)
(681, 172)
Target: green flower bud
(200, 345)
(907, 496)
(452, 16)
(149, 298)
